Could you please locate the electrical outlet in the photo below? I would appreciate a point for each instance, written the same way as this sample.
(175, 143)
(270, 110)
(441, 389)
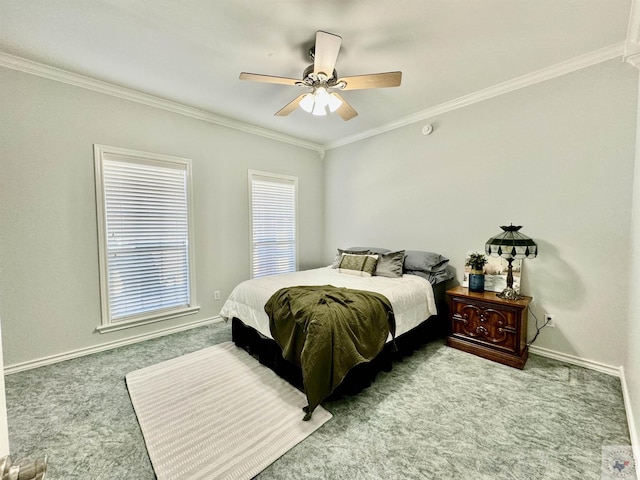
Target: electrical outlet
(216, 295)
(550, 320)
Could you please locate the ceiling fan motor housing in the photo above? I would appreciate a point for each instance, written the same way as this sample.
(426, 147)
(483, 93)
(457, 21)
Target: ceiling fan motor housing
(310, 79)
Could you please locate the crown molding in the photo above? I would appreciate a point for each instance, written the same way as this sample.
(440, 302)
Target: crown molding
(633, 60)
(632, 45)
(621, 49)
(53, 73)
(557, 70)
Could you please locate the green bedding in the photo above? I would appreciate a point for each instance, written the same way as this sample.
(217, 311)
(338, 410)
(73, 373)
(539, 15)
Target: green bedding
(327, 331)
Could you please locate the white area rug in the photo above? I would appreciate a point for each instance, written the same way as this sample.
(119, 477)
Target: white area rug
(217, 413)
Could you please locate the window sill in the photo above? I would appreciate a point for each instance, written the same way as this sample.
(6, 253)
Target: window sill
(158, 317)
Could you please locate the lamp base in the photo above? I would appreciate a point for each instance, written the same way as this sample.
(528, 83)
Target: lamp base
(509, 294)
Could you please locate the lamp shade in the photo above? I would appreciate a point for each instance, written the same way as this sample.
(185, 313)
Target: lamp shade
(511, 244)
(307, 102)
(334, 102)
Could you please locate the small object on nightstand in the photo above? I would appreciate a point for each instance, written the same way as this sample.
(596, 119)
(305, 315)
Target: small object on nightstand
(476, 261)
(489, 326)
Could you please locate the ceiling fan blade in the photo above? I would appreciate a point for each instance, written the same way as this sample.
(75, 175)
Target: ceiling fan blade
(345, 110)
(374, 80)
(290, 107)
(256, 77)
(326, 52)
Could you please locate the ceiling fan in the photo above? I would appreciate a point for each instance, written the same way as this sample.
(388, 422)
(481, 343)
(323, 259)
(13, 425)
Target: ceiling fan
(323, 80)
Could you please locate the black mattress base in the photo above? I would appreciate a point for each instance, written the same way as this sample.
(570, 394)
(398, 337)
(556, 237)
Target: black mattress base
(268, 353)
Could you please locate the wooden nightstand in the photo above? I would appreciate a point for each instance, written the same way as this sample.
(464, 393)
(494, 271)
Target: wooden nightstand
(488, 326)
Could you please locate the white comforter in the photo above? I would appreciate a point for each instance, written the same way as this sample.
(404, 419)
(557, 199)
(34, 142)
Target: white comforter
(411, 296)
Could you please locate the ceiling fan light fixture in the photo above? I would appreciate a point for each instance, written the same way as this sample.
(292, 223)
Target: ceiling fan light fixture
(334, 102)
(321, 97)
(307, 102)
(319, 110)
(318, 101)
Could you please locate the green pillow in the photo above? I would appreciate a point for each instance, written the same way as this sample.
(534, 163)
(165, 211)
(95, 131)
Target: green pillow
(338, 257)
(362, 265)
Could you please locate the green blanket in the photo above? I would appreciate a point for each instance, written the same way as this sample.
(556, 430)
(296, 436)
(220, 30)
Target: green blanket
(327, 331)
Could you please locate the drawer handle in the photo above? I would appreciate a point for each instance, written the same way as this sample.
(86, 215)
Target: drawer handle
(463, 319)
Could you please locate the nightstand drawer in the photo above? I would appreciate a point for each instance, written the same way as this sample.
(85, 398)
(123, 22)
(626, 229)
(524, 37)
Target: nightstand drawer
(485, 323)
(488, 326)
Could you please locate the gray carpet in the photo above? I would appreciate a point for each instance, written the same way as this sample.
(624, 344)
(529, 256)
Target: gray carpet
(439, 414)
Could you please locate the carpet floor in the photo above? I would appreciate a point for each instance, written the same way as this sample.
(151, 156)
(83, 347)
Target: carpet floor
(439, 414)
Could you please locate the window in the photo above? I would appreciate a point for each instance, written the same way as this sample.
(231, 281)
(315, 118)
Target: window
(144, 237)
(273, 215)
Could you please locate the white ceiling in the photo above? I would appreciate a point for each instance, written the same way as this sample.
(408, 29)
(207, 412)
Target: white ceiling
(192, 51)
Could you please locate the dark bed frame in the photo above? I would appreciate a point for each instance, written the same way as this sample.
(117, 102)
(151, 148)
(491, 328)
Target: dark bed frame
(269, 353)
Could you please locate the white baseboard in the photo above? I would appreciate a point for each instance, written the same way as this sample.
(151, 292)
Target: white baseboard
(609, 370)
(633, 433)
(572, 359)
(61, 357)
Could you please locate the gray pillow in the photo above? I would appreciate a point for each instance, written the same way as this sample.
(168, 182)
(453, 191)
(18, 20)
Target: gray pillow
(390, 264)
(428, 262)
(435, 277)
(338, 257)
(374, 250)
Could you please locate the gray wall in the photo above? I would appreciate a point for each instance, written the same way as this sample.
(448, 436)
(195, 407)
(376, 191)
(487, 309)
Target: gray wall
(49, 285)
(632, 364)
(556, 158)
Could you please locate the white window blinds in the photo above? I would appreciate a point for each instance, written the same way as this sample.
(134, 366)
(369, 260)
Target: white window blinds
(273, 203)
(146, 264)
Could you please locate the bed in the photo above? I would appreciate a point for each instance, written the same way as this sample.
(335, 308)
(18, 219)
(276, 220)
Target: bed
(413, 282)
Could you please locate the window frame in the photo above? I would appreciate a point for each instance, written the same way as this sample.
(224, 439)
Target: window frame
(105, 152)
(276, 178)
